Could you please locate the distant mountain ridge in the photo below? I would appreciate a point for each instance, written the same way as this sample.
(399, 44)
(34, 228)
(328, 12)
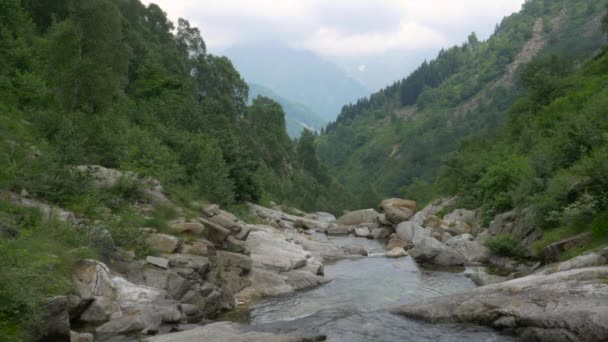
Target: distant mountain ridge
(297, 115)
(298, 75)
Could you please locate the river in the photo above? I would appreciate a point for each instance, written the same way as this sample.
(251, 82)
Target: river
(354, 305)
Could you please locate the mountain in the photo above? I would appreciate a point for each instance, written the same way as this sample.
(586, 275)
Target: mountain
(297, 116)
(298, 75)
(395, 140)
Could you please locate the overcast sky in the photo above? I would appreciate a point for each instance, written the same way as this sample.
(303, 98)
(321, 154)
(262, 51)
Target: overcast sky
(374, 41)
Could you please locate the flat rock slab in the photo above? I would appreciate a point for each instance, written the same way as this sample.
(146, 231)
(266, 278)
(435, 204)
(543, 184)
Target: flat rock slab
(156, 261)
(564, 306)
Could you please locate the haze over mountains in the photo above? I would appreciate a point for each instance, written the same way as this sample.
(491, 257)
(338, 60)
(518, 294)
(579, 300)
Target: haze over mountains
(297, 75)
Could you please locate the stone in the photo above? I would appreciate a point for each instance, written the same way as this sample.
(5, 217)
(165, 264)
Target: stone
(215, 233)
(459, 227)
(463, 215)
(564, 306)
(199, 247)
(396, 242)
(81, 337)
(77, 305)
(553, 252)
(358, 217)
(445, 237)
(337, 231)
(321, 217)
(482, 277)
(383, 220)
(396, 252)
(362, 232)
(428, 249)
(145, 322)
(100, 310)
(55, 322)
(356, 250)
(581, 261)
(235, 245)
(469, 248)
(163, 243)
(92, 278)
(433, 222)
(410, 231)
(175, 285)
(160, 262)
(381, 233)
(432, 209)
(198, 263)
(521, 225)
(192, 228)
(398, 210)
(244, 233)
(228, 221)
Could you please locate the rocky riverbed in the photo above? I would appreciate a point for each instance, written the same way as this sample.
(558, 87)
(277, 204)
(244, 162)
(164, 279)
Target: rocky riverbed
(396, 273)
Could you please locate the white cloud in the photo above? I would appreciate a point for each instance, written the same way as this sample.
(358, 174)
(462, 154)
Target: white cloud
(341, 27)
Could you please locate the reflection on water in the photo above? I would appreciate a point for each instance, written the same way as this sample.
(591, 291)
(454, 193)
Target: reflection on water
(353, 306)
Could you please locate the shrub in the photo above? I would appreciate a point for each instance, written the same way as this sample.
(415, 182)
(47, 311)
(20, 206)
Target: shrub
(505, 245)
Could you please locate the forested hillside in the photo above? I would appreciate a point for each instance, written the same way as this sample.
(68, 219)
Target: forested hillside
(397, 138)
(115, 83)
(297, 115)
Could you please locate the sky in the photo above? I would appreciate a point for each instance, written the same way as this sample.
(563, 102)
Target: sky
(349, 32)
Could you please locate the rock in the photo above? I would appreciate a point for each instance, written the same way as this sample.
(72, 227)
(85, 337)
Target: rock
(77, 305)
(235, 245)
(227, 220)
(81, 337)
(230, 270)
(470, 249)
(100, 309)
(383, 220)
(301, 280)
(565, 306)
(215, 233)
(381, 233)
(396, 242)
(192, 228)
(273, 252)
(445, 237)
(243, 234)
(146, 322)
(433, 222)
(321, 217)
(432, 209)
(226, 331)
(462, 215)
(398, 210)
(396, 252)
(356, 250)
(410, 231)
(436, 236)
(199, 247)
(553, 252)
(163, 243)
(55, 322)
(522, 226)
(175, 285)
(198, 263)
(362, 232)
(92, 278)
(482, 278)
(430, 250)
(129, 294)
(358, 217)
(160, 262)
(336, 231)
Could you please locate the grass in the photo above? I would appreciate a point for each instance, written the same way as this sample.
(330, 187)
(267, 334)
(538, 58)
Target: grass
(505, 245)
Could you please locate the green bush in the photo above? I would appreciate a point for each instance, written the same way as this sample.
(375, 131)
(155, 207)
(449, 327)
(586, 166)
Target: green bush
(505, 245)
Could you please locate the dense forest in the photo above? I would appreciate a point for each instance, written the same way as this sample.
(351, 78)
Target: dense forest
(115, 83)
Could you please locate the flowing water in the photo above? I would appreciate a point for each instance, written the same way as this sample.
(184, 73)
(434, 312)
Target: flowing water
(354, 305)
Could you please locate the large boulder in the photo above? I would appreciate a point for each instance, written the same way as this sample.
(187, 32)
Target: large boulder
(340, 230)
(191, 228)
(55, 323)
(215, 232)
(554, 251)
(397, 210)
(432, 209)
(464, 215)
(396, 242)
(273, 252)
(428, 249)
(396, 252)
(410, 231)
(91, 279)
(521, 225)
(470, 249)
(381, 233)
(355, 218)
(362, 232)
(565, 306)
(163, 243)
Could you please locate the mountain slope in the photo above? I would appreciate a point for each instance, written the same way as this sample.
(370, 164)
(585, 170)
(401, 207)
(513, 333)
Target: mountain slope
(397, 138)
(298, 75)
(297, 116)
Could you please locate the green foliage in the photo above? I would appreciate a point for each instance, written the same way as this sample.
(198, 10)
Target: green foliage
(35, 264)
(504, 245)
